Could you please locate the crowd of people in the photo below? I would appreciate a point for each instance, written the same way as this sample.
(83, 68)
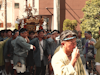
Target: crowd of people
(25, 52)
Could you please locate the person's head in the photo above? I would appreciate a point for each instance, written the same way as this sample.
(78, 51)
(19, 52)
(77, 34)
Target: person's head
(79, 34)
(89, 34)
(9, 33)
(85, 34)
(31, 34)
(58, 33)
(5, 33)
(54, 33)
(2, 33)
(45, 33)
(40, 33)
(48, 35)
(23, 32)
(15, 33)
(48, 31)
(68, 40)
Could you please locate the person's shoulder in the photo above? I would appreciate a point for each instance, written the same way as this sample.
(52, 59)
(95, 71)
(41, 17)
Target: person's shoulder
(19, 39)
(93, 39)
(57, 55)
(57, 49)
(9, 39)
(13, 41)
(34, 39)
(49, 39)
(83, 38)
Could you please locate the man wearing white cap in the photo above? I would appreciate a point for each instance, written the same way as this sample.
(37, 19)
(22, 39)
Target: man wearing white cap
(67, 61)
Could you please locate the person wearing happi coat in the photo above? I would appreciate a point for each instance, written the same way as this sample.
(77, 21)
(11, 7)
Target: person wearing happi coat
(21, 47)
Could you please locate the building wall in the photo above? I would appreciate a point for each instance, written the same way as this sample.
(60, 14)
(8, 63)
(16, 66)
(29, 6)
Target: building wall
(69, 9)
(13, 12)
(9, 16)
(73, 10)
(43, 4)
(42, 7)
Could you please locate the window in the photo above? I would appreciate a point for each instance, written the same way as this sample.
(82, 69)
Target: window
(0, 7)
(16, 5)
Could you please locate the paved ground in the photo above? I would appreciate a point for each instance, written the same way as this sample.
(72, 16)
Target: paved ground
(4, 73)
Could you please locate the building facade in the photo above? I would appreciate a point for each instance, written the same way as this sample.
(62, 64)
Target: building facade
(66, 9)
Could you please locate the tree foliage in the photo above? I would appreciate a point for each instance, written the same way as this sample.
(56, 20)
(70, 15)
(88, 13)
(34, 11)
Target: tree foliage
(91, 19)
(69, 24)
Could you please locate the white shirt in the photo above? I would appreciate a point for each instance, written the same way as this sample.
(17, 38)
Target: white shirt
(61, 64)
(41, 50)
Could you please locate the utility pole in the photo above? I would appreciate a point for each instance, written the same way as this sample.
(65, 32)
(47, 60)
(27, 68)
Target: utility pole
(5, 14)
(57, 14)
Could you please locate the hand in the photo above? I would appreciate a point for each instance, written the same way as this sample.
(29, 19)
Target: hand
(83, 46)
(91, 43)
(75, 56)
(34, 48)
(27, 39)
(49, 57)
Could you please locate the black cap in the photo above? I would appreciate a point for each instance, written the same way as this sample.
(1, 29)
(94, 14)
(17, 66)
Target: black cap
(64, 34)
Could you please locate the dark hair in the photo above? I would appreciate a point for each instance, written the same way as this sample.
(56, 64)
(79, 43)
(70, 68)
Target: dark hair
(2, 31)
(89, 32)
(31, 32)
(49, 30)
(55, 31)
(22, 30)
(79, 32)
(40, 31)
(8, 30)
(58, 32)
(14, 31)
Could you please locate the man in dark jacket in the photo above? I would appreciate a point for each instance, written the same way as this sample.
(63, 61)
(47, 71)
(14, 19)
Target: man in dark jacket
(41, 54)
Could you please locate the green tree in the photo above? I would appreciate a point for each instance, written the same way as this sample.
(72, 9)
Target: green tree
(91, 18)
(69, 24)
